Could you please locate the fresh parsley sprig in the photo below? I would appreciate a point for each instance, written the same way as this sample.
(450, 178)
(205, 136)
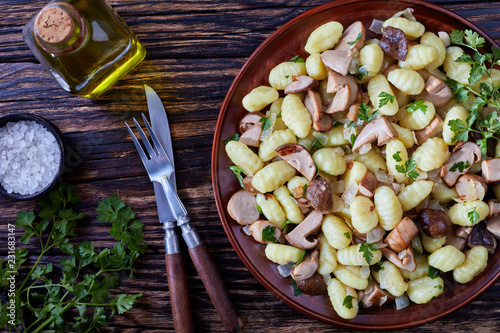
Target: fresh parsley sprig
(385, 98)
(238, 172)
(417, 105)
(408, 168)
(78, 297)
(473, 216)
(367, 250)
(356, 40)
(268, 234)
(460, 166)
(348, 301)
(364, 112)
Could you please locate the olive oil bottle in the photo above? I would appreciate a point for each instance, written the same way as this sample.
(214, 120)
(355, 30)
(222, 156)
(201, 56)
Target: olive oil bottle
(84, 44)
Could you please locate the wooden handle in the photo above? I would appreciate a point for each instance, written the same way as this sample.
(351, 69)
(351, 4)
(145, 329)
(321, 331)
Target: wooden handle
(213, 284)
(179, 294)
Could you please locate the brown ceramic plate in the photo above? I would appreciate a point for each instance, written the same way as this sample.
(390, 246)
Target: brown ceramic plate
(285, 43)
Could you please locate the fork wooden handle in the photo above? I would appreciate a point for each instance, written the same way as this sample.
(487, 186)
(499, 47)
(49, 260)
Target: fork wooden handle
(213, 284)
(179, 294)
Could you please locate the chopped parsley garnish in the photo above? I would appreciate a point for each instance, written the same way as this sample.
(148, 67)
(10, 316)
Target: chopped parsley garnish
(316, 145)
(268, 234)
(364, 112)
(266, 123)
(285, 224)
(302, 258)
(378, 267)
(238, 173)
(356, 40)
(385, 98)
(348, 301)
(259, 208)
(460, 166)
(361, 72)
(234, 137)
(297, 59)
(279, 115)
(408, 168)
(397, 157)
(417, 105)
(337, 123)
(473, 216)
(367, 250)
(438, 286)
(353, 138)
(296, 290)
(433, 272)
(347, 235)
(304, 189)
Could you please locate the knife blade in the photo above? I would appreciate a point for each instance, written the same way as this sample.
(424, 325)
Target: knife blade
(176, 273)
(199, 254)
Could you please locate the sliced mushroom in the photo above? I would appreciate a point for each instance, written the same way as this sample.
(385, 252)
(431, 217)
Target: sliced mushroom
(257, 227)
(471, 187)
(337, 81)
(247, 183)
(352, 39)
(433, 129)
(463, 152)
(436, 91)
(298, 156)
(402, 235)
(491, 170)
(307, 267)
(353, 109)
(319, 195)
(242, 207)
(374, 296)
(457, 237)
(404, 260)
(340, 101)
(379, 129)
(301, 83)
(493, 226)
(298, 237)
(337, 60)
(368, 184)
(435, 223)
(481, 236)
(494, 207)
(250, 120)
(321, 122)
(394, 43)
(315, 285)
(251, 137)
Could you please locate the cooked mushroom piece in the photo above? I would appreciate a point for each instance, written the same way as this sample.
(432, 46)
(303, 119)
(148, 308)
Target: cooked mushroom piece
(301, 83)
(493, 226)
(242, 207)
(491, 170)
(467, 153)
(307, 267)
(368, 184)
(297, 156)
(251, 137)
(321, 122)
(250, 120)
(433, 129)
(471, 187)
(247, 183)
(394, 43)
(337, 60)
(374, 296)
(319, 195)
(494, 207)
(379, 129)
(481, 236)
(436, 92)
(315, 285)
(258, 227)
(352, 39)
(435, 223)
(338, 81)
(402, 235)
(298, 237)
(340, 101)
(457, 237)
(404, 260)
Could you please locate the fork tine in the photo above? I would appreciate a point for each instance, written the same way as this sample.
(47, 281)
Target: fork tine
(145, 140)
(156, 142)
(143, 156)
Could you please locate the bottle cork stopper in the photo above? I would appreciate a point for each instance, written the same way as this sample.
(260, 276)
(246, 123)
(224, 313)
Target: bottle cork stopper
(54, 25)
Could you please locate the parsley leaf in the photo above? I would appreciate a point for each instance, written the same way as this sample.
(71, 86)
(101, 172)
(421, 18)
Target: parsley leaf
(296, 290)
(408, 168)
(356, 40)
(266, 123)
(473, 216)
(348, 301)
(432, 272)
(438, 286)
(316, 145)
(285, 224)
(268, 234)
(385, 98)
(364, 112)
(417, 105)
(461, 166)
(397, 156)
(361, 72)
(302, 258)
(234, 137)
(337, 123)
(347, 235)
(378, 267)
(461, 131)
(238, 173)
(258, 209)
(367, 250)
(297, 59)
(353, 138)
(304, 189)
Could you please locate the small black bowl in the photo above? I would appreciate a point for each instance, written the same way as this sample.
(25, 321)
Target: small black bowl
(57, 135)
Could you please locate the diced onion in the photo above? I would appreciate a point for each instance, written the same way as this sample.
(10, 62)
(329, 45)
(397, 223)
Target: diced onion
(321, 137)
(416, 244)
(375, 235)
(402, 302)
(338, 204)
(350, 192)
(407, 14)
(338, 186)
(422, 175)
(383, 299)
(369, 288)
(445, 38)
(349, 158)
(381, 176)
(285, 270)
(246, 230)
(435, 204)
(365, 148)
(381, 245)
(268, 131)
(365, 272)
(376, 26)
(401, 254)
(327, 278)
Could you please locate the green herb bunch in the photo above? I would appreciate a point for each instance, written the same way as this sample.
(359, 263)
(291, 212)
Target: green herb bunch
(481, 85)
(75, 294)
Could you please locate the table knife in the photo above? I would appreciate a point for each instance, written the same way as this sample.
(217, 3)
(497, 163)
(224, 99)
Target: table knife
(176, 273)
(199, 254)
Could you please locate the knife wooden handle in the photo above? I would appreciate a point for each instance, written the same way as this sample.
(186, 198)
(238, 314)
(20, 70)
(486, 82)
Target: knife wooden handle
(213, 284)
(179, 294)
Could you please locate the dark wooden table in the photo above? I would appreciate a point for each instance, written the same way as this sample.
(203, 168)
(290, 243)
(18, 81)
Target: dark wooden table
(195, 49)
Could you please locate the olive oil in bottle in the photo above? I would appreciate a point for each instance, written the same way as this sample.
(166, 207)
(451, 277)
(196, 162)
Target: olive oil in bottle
(84, 44)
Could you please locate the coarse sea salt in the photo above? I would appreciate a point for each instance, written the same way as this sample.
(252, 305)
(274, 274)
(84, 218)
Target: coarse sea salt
(29, 157)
